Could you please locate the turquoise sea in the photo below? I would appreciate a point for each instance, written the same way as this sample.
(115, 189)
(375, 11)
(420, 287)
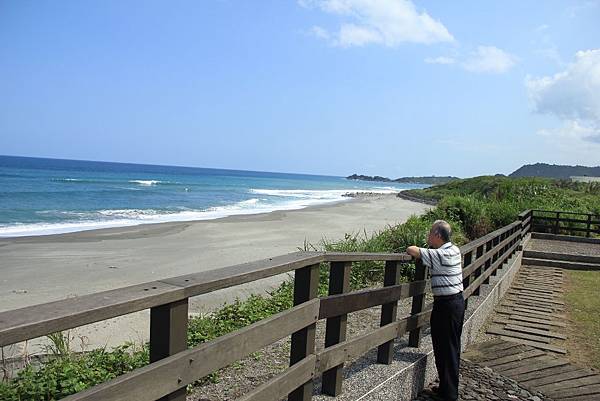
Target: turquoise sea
(48, 196)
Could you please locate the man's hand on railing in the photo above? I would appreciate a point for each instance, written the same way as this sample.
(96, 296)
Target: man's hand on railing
(414, 251)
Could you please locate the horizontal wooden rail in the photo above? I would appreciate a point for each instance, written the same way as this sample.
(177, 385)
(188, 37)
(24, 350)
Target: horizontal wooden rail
(486, 238)
(467, 271)
(358, 346)
(563, 212)
(366, 256)
(169, 374)
(38, 320)
(556, 222)
(281, 385)
(556, 230)
(479, 280)
(567, 220)
(335, 305)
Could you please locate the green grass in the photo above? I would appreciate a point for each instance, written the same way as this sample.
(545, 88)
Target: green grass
(584, 308)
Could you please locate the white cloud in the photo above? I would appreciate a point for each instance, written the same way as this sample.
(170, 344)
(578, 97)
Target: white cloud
(319, 32)
(440, 60)
(572, 95)
(489, 59)
(384, 22)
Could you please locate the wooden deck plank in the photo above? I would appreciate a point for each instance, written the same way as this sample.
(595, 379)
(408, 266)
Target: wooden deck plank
(593, 389)
(547, 372)
(537, 286)
(531, 296)
(539, 326)
(594, 397)
(533, 364)
(493, 363)
(550, 322)
(536, 298)
(498, 330)
(570, 372)
(531, 330)
(530, 305)
(532, 311)
(531, 293)
(516, 286)
(570, 381)
(484, 355)
(531, 314)
(526, 365)
(548, 347)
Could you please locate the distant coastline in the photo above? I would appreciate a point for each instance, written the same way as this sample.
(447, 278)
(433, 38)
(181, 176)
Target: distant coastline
(427, 180)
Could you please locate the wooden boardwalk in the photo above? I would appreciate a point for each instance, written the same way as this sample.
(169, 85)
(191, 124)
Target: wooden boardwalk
(536, 369)
(529, 324)
(532, 311)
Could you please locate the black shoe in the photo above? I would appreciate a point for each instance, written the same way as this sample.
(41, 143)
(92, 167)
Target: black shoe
(432, 394)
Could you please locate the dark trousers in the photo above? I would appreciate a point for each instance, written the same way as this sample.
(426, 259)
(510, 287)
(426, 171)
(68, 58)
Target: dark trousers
(446, 327)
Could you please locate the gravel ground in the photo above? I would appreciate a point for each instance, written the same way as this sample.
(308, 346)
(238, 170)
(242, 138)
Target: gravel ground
(575, 248)
(481, 383)
(247, 374)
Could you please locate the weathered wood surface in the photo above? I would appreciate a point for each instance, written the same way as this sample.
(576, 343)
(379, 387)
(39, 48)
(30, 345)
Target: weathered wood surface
(536, 369)
(335, 305)
(38, 320)
(531, 311)
(335, 330)
(281, 385)
(306, 291)
(337, 354)
(171, 373)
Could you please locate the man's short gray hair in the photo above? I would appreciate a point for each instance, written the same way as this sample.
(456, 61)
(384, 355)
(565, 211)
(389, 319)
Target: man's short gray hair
(443, 229)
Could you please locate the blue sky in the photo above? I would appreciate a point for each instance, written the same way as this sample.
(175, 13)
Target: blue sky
(388, 87)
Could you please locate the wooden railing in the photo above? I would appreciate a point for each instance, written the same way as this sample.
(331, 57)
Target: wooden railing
(558, 222)
(173, 366)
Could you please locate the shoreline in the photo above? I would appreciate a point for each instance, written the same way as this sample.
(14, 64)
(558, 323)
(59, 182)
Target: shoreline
(46, 268)
(347, 197)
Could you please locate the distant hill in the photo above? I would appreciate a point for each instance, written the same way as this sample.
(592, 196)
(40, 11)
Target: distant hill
(555, 171)
(431, 180)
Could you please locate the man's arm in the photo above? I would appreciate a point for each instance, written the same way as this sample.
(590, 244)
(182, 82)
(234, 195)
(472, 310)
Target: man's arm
(414, 251)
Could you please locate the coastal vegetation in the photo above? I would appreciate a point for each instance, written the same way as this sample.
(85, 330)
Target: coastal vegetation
(472, 206)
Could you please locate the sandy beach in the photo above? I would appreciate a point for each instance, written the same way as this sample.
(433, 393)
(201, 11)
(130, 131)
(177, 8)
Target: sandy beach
(46, 268)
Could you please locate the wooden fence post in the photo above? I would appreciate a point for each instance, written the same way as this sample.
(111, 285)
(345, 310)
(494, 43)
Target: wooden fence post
(588, 233)
(168, 336)
(418, 301)
(482, 269)
(466, 261)
(335, 331)
(557, 223)
(385, 351)
(306, 287)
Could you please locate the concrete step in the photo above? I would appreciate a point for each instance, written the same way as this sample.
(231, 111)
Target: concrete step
(561, 264)
(561, 256)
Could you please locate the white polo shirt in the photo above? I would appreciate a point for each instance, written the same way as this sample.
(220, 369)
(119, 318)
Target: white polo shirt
(446, 268)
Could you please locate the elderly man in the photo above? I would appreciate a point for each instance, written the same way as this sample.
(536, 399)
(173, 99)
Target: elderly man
(444, 260)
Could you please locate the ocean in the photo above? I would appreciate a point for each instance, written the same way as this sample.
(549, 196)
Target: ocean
(48, 196)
